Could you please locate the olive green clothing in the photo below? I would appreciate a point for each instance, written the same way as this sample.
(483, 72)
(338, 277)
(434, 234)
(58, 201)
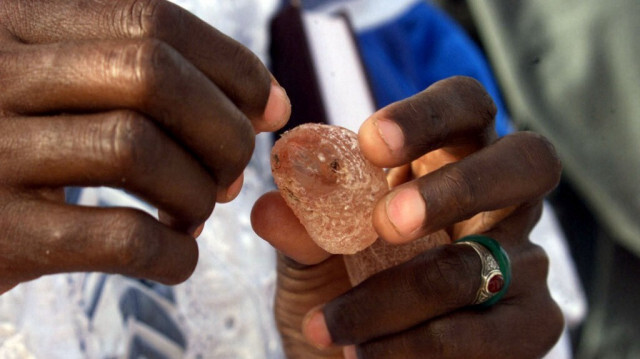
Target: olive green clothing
(571, 70)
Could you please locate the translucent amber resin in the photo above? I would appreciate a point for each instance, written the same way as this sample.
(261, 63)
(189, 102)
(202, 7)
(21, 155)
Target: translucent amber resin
(333, 189)
(329, 185)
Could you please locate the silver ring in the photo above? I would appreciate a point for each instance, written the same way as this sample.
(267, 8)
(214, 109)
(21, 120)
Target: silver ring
(491, 276)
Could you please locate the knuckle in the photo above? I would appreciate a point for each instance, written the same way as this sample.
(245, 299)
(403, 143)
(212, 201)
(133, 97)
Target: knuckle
(152, 60)
(540, 258)
(251, 85)
(151, 19)
(137, 18)
(485, 103)
(457, 188)
(145, 65)
(443, 275)
(135, 250)
(138, 248)
(132, 142)
(475, 91)
(532, 263)
(477, 104)
(541, 157)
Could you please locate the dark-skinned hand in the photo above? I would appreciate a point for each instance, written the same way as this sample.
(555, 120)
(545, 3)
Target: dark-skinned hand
(450, 174)
(137, 95)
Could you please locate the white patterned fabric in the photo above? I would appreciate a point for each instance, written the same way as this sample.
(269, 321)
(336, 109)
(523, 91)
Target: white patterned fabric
(223, 311)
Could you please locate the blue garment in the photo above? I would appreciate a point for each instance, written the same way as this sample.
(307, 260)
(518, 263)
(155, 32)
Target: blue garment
(407, 54)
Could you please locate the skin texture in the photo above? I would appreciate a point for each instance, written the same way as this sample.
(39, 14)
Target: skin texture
(450, 174)
(142, 96)
(138, 95)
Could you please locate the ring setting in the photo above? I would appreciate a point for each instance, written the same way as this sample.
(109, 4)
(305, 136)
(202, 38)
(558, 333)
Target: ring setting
(496, 269)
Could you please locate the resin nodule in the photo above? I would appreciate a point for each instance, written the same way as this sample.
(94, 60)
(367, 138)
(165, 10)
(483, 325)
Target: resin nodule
(329, 185)
(332, 189)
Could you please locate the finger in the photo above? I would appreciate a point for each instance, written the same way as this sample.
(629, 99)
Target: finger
(119, 149)
(231, 192)
(142, 75)
(497, 333)
(299, 288)
(274, 222)
(54, 238)
(231, 66)
(398, 175)
(516, 169)
(434, 283)
(480, 223)
(456, 113)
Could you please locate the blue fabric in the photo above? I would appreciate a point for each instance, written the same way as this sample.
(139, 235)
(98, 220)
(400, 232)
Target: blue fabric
(407, 54)
(143, 302)
(145, 309)
(72, 194)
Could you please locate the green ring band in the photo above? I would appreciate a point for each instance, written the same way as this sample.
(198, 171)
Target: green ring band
(503, 262)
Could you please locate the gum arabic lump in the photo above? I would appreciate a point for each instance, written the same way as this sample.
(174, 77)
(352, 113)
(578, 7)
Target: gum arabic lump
(329, 185)
(332, 189)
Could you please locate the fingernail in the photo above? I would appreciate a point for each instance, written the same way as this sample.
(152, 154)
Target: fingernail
(349, 352)
(406, 211)
(278, 108)
(391, 134)
(315, 329)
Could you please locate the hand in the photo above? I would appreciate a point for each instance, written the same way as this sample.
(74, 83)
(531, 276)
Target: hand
(139, 95)
(450, 175)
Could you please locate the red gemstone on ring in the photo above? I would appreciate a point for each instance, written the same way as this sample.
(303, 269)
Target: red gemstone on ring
(496, 282)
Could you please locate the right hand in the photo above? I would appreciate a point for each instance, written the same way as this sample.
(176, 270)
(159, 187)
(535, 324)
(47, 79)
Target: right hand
(458, 180)
(133, 94)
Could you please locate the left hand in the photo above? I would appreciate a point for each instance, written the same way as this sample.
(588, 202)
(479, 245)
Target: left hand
(138, 95)
(450, 175)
